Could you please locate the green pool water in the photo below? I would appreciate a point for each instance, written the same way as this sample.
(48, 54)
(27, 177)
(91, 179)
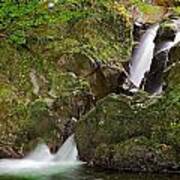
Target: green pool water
(85, 173)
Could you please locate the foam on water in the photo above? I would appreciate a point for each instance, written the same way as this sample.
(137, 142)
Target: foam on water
(41, 153)
(41, 161)
(67, 154)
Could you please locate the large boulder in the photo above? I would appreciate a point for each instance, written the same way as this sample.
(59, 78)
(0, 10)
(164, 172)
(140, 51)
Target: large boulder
(139, 133)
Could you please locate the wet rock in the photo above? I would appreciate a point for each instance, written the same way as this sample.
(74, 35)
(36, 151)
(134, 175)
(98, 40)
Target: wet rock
(138, 30)
(155, 78)
(103, 78)
(167, 37)
(167, 31)
(115, 121)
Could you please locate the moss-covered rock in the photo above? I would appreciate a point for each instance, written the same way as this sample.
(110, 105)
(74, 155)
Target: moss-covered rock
(116, 120)
(136, 154)
(138, 133)
(24, 122)
(47, 58)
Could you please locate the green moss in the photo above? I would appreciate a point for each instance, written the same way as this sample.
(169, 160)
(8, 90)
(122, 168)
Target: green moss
(116, 120)
(177, 10)
(6, 92)
(138, 133)
(145, 7)
(34, 39)
(136, 154)
(64, 84)
(83, 27)
(74, 14)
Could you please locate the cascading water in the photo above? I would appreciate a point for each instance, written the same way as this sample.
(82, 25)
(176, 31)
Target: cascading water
(41, 153)
(148, 62)
(42, 161)
(68, 151)
(142, 57)
(154, 82)
(167, 45)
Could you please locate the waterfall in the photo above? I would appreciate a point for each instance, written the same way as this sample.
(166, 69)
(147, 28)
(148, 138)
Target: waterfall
(149, 61)
(41, 160)
(167, 45)
(68, 151)
(142, 57)
(154, 82)
(41, 153)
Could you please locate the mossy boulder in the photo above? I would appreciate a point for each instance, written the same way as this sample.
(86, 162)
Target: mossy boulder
(23, 123)
(116, 120)
(139, 133)
(136, 154)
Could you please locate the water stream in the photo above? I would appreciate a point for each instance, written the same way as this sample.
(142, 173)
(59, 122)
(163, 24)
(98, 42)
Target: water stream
(142, 57)
(64, 165)
(148, 62)
(154, 80)
(41, 161)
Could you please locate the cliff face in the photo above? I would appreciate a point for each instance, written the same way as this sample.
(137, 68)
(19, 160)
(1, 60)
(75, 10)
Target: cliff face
(49, 67)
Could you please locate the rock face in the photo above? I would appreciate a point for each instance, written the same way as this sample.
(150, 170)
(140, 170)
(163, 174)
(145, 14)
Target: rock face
(49, 67)
(167, 36)
(139, 133)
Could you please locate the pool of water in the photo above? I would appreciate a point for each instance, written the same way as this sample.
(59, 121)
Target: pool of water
(84, 173)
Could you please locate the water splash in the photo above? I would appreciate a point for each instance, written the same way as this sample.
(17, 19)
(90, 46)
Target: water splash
(41, 153)
(68, 151)
(42, 161)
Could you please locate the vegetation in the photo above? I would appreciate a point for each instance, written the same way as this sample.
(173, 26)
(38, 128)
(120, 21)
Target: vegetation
(140, 132)
(61, 60)
(42, 77)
